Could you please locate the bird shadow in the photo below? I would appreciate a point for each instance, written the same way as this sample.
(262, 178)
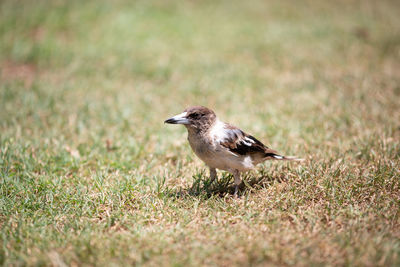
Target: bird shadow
(224, 186)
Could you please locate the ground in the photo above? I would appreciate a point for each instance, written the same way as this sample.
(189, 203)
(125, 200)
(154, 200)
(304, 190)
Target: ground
(90, 175)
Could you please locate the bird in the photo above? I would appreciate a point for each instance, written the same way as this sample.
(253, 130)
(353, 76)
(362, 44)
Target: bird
(223, 146)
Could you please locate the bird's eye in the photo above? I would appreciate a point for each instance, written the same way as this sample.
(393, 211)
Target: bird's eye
(194, 116)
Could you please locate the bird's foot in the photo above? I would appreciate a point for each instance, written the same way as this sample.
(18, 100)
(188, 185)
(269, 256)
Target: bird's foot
(236, 191)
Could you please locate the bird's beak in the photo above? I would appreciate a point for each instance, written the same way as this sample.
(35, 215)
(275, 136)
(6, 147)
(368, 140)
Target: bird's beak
(178, 119)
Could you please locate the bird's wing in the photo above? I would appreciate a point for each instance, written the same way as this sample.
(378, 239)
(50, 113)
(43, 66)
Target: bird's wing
(240, 143)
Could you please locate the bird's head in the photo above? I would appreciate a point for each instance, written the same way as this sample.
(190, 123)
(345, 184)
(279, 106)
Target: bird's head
(196, 118)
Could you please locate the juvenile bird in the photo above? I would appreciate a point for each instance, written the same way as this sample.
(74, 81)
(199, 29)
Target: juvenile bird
(221, 145)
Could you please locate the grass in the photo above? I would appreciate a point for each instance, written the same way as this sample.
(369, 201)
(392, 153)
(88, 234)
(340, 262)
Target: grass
(91, 176)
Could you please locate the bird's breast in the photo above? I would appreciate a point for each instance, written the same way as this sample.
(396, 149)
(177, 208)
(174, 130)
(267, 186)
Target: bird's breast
(213, 154)
(200, 146)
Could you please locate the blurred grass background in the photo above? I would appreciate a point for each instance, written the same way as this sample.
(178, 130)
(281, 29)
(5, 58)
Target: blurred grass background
(91, 176)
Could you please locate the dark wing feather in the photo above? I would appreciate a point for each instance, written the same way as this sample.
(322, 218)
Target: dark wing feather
(240, 143)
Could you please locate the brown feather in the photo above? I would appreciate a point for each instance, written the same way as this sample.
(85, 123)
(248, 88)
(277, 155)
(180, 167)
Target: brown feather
(241, 143)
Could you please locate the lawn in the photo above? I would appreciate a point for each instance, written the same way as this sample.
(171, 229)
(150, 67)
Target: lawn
(90, 175)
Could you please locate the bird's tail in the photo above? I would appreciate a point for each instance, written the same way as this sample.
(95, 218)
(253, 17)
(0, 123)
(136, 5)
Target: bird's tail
(279, 157)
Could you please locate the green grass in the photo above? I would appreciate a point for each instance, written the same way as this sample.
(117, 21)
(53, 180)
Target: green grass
(90, 175)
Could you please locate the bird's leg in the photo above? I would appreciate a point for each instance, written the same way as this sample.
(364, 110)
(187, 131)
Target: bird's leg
(236, 175)
(213, 174)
